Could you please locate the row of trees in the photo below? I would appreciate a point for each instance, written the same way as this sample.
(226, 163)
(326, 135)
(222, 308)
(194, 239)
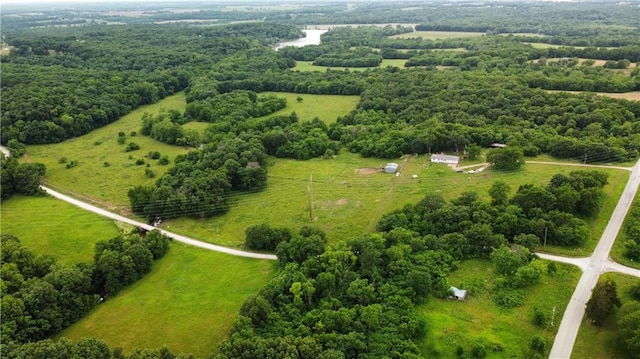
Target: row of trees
(201, 181)
(40, 297)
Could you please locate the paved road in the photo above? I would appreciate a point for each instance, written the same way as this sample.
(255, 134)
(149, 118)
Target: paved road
(177, 237)
(581, 263)
(598, 263)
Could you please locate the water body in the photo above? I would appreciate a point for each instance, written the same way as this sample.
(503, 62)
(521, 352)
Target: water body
(312, 38)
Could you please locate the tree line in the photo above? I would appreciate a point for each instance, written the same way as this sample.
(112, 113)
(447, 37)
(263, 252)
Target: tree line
(41, 297)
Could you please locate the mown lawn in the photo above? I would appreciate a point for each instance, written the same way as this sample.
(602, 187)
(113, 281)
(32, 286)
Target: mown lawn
(188, 302)
(46, 225)
(602, 342)
(507, 333)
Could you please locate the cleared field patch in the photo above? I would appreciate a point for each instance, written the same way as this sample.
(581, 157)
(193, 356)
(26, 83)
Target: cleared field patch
(188, 302)
(631, 96)
(602, 342)
(198, 126)
(350, 194)
(104, 171)
(453, 323)
(433, 35)
(543, 45)
(326, 107)
(46, 225)
(309, 66)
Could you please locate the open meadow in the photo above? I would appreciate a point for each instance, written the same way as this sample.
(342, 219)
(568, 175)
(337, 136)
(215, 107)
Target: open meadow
(46, 225)
(105, 172)
(595, 342)
(188, 302)
(437, 35)
(506, 333)
(308, 66)
(350, 194)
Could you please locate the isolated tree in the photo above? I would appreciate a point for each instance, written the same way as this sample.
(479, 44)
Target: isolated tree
(508, 158)
(499, 193)
(474, 151)
(506, 260)
(603, 299)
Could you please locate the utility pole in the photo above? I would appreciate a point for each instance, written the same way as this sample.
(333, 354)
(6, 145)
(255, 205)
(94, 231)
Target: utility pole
(585, 158)
(553, 314)
(310, 192)
(545, 236)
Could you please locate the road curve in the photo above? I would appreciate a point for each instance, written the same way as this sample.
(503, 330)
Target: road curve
(598, 263)
(177, 237)
(581, 263)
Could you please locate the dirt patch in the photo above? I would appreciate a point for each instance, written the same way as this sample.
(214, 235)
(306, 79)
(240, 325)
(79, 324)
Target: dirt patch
(341, 201)
(367, 170)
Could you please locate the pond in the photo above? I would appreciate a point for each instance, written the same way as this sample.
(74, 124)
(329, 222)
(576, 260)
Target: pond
(312, 38)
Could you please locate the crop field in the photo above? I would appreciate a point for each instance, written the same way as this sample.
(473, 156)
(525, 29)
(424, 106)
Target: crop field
(433, 35)
(602, 342)
(46, 225)
(350, 194)
(188, 302)
(506, 333)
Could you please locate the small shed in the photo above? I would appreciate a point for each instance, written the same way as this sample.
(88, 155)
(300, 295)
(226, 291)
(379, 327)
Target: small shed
(448, 159)
(391, 167)
(459, 294)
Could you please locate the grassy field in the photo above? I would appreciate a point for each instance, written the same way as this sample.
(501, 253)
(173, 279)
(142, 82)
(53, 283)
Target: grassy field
(188, 303)
(46, 225)
(617, 252)
(350, 194)
(104, 185)
(601, 342)
(631, 96)
(326, 107)
(107, 186)
(543, 45)
(451, 323)
(432, 35)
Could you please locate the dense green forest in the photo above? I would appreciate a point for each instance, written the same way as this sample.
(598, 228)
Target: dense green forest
(67, 72)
